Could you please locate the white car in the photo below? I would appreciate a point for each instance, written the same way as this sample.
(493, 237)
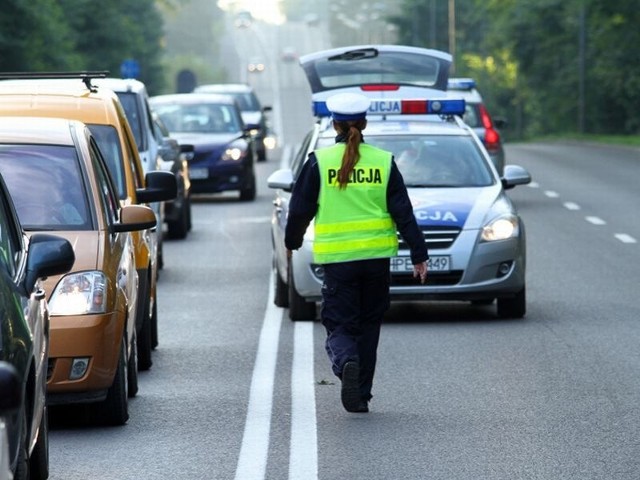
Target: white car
(475, 236)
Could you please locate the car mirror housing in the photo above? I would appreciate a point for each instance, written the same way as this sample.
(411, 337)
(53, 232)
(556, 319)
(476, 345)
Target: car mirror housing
(267, 108)
(160, 186)
(135, 217)
(48, 255)
(515, 175)
(282, 179)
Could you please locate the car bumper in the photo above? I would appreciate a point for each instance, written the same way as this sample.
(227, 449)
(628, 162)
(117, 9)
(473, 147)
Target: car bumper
(478, 272)
(95, 337)
(222, 180)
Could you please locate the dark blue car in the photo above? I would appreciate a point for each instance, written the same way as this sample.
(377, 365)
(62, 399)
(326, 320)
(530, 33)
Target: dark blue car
(224, 151)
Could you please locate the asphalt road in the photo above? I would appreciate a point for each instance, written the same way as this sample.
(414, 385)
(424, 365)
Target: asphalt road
(238, 391)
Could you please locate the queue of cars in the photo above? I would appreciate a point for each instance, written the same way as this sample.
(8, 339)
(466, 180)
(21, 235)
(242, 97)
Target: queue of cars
(85, 158)
(475, 236)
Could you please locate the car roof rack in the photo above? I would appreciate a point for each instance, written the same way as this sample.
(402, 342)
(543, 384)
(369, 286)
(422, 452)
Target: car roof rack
(85, 75)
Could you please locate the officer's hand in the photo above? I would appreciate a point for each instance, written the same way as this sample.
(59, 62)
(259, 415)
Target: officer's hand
(420, 270)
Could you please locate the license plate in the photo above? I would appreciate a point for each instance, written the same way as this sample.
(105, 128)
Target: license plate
(198, 173)
(440, 263)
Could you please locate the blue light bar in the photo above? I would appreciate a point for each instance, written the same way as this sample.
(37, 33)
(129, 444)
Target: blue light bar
(404, 107)
(461, 84)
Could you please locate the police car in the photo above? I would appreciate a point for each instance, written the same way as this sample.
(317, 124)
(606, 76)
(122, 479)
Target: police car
(477, 116)
(476, 238)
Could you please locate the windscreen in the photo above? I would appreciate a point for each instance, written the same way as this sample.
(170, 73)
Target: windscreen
(434, 160)
(47, 187)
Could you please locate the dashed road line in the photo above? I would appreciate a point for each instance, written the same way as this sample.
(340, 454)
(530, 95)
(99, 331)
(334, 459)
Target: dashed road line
(571, 206)
(624, 238)
(551, 194)
(595, 220)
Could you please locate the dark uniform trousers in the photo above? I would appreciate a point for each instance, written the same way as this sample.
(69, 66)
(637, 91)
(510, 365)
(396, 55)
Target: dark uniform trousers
(355, 296)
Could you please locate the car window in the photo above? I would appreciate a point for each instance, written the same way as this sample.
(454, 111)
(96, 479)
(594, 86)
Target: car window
(108, 195)
(247, 102)
(131, 107)
(200, 118)
(47, 186)
(109, 144)
(301, 155)
(471, 115)
(9, 240)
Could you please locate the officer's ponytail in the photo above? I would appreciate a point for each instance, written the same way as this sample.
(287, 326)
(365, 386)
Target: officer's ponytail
(353, 132)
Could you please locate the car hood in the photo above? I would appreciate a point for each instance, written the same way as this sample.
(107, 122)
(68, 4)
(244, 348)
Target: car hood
(454, 207)
(205, 141)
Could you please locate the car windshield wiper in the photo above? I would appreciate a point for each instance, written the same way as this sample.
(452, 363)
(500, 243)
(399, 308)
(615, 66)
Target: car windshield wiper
(358, 54)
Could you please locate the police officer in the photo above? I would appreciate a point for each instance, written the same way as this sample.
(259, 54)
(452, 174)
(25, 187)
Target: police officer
(358, 198)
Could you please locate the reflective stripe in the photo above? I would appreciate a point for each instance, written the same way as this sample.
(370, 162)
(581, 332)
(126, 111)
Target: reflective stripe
(340, 246)
(355, 226)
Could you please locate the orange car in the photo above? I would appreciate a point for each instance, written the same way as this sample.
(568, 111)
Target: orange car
(59, 182)
(73, 96)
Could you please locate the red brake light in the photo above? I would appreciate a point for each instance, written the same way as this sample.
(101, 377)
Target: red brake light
(382, 87)
(491, 135)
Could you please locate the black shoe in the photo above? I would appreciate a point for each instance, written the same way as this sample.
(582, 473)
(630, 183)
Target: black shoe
(350, 393)
(363, 407)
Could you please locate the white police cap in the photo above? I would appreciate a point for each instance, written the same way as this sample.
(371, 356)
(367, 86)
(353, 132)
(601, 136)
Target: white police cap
(348, 106)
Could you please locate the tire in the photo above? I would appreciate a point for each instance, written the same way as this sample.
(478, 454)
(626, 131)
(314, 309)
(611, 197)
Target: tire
(22, 465)
(262, 155)
(249, 193)
(299, 308)
(132, 369)
(179, 228)
(154, 325)
(281, 290)
(188, 211)
(513, 307)
(144, 343)
(114, 410)
(39, 460)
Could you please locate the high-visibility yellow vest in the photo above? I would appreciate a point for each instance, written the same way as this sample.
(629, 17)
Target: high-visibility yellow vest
(354, 223)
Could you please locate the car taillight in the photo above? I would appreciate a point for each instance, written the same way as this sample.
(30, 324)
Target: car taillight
(380, 87)
(491, 135)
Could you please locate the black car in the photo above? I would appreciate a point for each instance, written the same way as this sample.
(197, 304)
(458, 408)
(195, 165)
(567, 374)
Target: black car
(253, 113)
(223, 146)
(24, 334)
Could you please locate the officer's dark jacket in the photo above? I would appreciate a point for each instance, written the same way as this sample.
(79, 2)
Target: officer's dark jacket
(304, 205)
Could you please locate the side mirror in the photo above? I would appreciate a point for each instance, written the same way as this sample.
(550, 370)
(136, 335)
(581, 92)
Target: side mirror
(11, 389)
(282, 179)
(267, 108)
(48, 255)
(160, 186)
(135, 217)
(515, 175)
(500, 122)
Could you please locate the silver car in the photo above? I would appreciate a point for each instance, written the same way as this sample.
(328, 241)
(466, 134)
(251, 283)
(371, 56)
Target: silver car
(475, 236)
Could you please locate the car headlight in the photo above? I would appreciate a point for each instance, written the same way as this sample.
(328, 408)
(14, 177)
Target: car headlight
(500, 228)
(233, 154)
(80, 294)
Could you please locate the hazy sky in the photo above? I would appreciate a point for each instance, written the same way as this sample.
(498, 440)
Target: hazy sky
(266, 10)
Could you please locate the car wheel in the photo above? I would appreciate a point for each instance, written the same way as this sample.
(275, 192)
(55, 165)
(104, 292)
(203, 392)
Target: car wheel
(188, 212)
(144, 342)
(178, 229)
(39, 460)
(281, 292)
(249, 192)
(513, 307)
(262, 155)
(22, 465)
(114, 410)
(154, 325)
(299, 308)
(132, 368)
(160, 258)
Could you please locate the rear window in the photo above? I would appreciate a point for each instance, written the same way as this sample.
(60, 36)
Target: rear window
(131, 108)
(47, 186)
(396, 68)
(199, 118)
(246, 101)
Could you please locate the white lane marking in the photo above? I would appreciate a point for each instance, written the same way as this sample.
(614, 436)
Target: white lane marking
(571, 206)
(303, 453)
(551, 194)
(252, 462)
(595, 220)
(533, 185)
(624, 238)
